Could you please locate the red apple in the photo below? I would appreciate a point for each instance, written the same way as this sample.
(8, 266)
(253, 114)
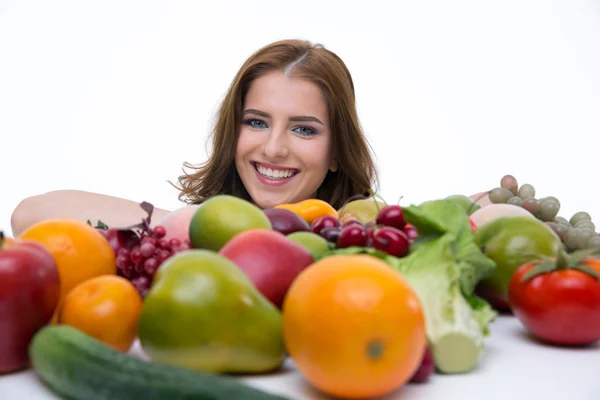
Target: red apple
(269, 259)
(29, 294)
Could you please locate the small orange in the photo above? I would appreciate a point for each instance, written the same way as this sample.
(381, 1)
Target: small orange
(353, 326)
(80, 251)
(106, 307)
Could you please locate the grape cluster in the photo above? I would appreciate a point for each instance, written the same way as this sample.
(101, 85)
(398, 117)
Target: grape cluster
(141, 250)
(576, 233)
(140, 255)
(388, 233)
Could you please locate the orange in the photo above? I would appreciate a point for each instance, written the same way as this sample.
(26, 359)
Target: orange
(81, 252)
(106, 307)
(353, 326)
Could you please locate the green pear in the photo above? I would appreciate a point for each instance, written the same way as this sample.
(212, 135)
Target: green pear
(220, 218)
(203, 313)
(363, 210)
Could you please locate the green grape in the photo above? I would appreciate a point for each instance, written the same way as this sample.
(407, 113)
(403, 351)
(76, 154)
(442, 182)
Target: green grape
(552, 198)
(532, 205)
(500, 195)
(578, 216)
(509, 182)
(515, 201)
(561, 230)
(571, 240)
(594, 242)
(526, 191)
(583, 237)
(561, 220)
(584, 224)
(548, 210)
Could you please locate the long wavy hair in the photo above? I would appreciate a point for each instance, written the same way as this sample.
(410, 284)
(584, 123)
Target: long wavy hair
(356, 174)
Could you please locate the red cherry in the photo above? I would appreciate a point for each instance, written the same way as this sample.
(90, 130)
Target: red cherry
(371, 228)
(391, 240)
(326, 221)
(330, 234)
(391, 215)
(352, 235)
(410, 232)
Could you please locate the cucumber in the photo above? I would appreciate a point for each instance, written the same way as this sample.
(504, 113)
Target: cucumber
(80, 367)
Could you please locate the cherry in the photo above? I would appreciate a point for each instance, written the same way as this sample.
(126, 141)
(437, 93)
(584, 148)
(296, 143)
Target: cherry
(352, 235)
(371, 228)
(391, 215)
(331, 234)
(411, 232)
(326, 221)
(391, 240)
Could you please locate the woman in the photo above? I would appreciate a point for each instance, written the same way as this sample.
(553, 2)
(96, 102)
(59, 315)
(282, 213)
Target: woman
(286, 131)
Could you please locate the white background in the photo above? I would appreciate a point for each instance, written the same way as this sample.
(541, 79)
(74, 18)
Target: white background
(113, 96)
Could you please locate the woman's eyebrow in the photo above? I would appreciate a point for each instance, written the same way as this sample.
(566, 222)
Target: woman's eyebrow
(296, 118)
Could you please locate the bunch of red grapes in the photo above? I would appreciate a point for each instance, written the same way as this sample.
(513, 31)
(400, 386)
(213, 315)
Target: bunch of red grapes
(141, 250)
(389, 232)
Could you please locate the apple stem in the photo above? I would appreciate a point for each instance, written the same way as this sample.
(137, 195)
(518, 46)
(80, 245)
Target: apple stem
(1, 239)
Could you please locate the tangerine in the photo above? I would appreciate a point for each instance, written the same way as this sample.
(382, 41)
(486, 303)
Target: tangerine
(81, 252)
(106, 307)
(353, 326)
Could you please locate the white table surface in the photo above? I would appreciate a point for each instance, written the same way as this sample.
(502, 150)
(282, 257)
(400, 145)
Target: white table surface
(514, 367)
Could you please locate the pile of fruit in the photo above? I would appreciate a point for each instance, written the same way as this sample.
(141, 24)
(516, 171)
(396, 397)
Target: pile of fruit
(227, 288)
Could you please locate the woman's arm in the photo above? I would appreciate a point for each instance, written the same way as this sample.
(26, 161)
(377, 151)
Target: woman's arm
(80, 205)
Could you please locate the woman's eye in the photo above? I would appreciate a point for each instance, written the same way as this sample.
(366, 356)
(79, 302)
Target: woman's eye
(305, 131)
(255, 123)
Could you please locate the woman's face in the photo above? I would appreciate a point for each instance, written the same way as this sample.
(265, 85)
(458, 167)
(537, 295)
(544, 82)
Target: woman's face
(284, 148)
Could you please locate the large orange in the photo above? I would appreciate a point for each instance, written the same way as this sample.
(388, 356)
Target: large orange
(80, 251)
(106, 307)
(353, 326)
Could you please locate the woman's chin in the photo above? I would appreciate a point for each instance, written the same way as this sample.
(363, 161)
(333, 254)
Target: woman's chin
(265, 202)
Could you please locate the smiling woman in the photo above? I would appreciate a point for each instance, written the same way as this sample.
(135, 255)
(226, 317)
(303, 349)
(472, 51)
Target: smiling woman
(287, 130)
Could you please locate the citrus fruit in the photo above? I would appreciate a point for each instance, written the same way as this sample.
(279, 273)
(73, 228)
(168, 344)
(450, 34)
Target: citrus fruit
(220, 218)
(106, 307)
(81, 252)
(353, 326)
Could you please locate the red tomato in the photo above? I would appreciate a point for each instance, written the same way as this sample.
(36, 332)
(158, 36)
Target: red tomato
(561, 306)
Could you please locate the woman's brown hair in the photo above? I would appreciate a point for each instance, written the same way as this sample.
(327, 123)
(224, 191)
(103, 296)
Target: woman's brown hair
(356, 173)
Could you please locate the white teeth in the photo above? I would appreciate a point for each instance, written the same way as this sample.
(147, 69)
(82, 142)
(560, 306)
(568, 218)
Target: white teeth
(274, 174)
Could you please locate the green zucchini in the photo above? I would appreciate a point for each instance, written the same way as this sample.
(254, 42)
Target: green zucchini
(80, 367)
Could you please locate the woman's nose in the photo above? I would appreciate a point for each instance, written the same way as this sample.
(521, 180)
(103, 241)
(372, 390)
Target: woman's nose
(276, 145)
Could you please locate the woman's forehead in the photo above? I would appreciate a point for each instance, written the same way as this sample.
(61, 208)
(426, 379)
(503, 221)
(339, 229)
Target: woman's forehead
(279, 95)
